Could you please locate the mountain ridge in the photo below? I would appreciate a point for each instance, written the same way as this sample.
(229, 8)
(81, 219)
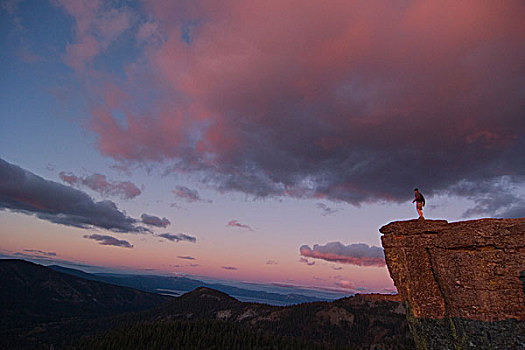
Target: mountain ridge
(29, 285)
(201, 315)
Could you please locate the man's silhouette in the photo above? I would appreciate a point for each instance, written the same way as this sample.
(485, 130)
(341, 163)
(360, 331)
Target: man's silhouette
(420, 203)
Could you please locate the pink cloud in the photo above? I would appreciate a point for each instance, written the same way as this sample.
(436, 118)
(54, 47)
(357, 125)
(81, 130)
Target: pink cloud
(82, 51)
(99, 183)
(188, 194)
(98, 25)
(345, 284)
(148, 33)
(235, 223)
(338, 100)
(69, 178)
(355, 254)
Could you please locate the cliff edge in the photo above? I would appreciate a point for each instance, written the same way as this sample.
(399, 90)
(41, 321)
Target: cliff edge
(463, 283)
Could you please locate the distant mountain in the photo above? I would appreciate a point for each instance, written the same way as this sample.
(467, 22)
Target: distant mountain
(31, 295)
(43, 291)
(175, 285)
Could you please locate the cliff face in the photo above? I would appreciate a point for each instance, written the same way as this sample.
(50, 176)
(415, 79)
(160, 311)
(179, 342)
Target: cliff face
(460, 281)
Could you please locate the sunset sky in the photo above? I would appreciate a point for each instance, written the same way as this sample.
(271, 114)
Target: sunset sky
(260, 141)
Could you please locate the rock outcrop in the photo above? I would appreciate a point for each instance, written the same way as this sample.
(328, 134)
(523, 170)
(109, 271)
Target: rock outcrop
(462, 283)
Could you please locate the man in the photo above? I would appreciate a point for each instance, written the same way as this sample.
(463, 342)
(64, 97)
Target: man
(420, 203)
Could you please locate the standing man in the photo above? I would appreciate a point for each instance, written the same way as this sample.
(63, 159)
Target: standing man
(420, 203)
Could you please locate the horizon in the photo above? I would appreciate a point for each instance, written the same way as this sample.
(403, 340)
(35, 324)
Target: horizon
(318, 293)
(263, 142)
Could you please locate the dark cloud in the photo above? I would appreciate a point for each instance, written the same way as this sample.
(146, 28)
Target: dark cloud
(24, 192)
(99, 183)
(496, 198)
(355, 254)
(188, 194)
(109, 240)
(154, 221)
(186, 257)
(178, 237)
(326, 210)
(271, 262)
(229, 268)
(40, 252)
(235, 223)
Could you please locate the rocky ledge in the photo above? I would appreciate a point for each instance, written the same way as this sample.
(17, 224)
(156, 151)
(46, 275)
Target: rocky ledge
(463, 283)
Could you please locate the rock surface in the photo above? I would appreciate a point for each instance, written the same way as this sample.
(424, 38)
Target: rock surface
(462, 282)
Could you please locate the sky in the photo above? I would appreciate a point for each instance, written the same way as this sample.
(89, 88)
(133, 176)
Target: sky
(257, 141)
